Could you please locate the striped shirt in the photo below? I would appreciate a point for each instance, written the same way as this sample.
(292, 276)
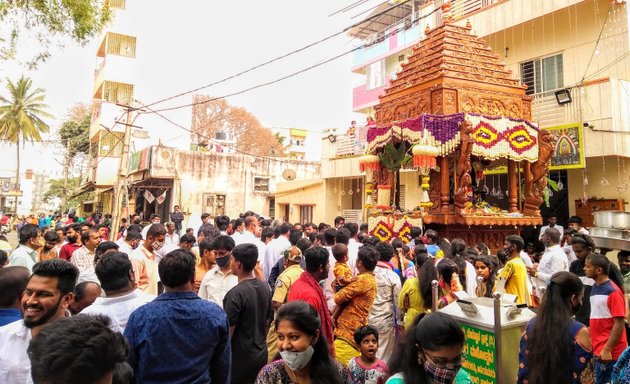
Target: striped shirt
(606, 304)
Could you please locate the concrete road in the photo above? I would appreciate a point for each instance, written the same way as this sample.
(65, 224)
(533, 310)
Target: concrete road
(13, 238)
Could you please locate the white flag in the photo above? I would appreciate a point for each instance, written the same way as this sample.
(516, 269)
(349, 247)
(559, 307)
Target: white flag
(162, 197)
(148, 196)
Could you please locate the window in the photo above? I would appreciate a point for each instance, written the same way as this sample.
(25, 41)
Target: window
(117, 4)
(306, 213)
(376, 75)
(114, 92)
(122, 45)
(543, 75)
(261, 184)
(111, 144)
(214, 204)
(272, 207)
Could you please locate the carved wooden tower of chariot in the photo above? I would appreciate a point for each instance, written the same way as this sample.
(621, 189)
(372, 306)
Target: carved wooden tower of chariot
(454, 94)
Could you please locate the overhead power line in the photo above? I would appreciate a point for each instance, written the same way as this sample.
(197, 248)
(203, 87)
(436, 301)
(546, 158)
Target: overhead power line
(293, 74)
(211, 140)
(278, 58)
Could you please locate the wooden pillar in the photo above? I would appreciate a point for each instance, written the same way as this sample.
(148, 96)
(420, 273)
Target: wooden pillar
(444, 185)
(527, 170)
(512, 187)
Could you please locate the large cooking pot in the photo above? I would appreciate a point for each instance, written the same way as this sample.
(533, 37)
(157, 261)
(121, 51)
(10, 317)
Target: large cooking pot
(622, 220)
(612, 219)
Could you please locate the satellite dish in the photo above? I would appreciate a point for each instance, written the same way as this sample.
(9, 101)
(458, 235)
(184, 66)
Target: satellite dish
(288, 174)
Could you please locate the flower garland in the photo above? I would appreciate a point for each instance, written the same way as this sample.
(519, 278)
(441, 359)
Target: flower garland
(502, 137)
(493, 137)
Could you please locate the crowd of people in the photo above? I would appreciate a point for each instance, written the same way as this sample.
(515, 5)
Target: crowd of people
(252, 300)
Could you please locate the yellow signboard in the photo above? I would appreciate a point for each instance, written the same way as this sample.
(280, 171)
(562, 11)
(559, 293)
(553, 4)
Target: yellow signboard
(569, 151)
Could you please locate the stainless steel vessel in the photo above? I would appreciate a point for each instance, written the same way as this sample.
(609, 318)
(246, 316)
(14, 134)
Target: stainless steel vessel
(612, 219)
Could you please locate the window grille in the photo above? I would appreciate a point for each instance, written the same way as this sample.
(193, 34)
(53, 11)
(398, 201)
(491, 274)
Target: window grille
(543, 75)
(117, 4)
(122, 45)
(120, 93)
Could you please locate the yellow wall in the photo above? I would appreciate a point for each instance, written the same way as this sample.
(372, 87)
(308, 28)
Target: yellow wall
(311, 195)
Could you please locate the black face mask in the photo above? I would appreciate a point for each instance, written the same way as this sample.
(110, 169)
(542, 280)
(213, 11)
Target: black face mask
(222, 262)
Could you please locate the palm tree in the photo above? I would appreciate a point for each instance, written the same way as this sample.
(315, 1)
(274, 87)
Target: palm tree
(21, 115)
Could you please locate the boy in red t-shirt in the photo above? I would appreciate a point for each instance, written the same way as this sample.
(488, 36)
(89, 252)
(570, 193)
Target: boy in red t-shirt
(608, 334)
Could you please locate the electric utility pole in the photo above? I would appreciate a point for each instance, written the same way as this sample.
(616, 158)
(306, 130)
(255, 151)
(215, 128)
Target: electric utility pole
(123, 171)
(66, 165)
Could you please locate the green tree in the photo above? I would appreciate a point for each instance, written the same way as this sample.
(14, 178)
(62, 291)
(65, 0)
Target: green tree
(74, 133)
(58, 190)
(49, 22)
(21, 117)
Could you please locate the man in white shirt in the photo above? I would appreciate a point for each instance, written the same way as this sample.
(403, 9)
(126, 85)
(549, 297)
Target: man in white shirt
(115, 273)
(251, 235)
(46, 298)
(171, 237)
(130, 242)
(275, 249)
(552, 221)
(144, 260)
(220, 279)
(553, 260)
(353, 246)
(575, 222)
(155, 219)
(25, 255)
(239, 231)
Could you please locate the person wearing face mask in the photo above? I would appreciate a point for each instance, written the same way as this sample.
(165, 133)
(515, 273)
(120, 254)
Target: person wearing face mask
(207, 262)
(582, 246)
(431, 353)
(144, 262)
(304, 355)
(553, 260)
(554, 329)
(26, 254)
(515, 272)
(219, 279)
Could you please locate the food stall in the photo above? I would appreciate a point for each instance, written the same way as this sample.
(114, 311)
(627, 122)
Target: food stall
(453, 113)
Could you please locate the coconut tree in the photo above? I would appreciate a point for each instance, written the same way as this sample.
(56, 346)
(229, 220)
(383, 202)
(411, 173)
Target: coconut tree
(22, 112)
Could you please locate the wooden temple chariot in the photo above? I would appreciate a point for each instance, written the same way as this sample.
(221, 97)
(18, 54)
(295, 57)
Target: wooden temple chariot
(454, 94)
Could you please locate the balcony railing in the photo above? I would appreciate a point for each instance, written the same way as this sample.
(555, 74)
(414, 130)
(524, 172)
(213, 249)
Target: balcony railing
(349, 145)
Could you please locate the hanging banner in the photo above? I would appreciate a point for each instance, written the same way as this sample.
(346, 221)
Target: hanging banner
(148, 196)
(161, 198)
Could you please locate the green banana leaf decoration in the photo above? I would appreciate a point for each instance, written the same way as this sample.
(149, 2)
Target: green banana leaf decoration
(394, 159)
